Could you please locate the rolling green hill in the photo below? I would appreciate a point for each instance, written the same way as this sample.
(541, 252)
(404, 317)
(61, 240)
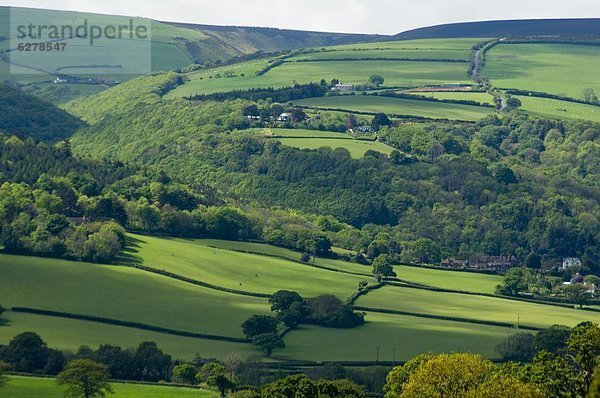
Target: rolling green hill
(584, 27)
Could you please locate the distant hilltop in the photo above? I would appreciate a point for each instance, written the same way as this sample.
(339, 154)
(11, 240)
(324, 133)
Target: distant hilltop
(589, 27)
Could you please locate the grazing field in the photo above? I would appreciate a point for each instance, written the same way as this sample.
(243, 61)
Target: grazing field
(396, 73)
(406, 335)
(70, 334)
(474, 307)
(399, 106)
(302, 133)
(37, 387)
(357, 148)
(483, 98)
(242, 271)
(454, 280)
(556, 109)
(123, 293)
(553, 68)
(385, 53)
(269, 250)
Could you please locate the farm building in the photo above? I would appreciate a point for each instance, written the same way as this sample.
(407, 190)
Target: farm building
(284, 117)
(571, 262)
(454, 263)
(497, 263)
(343, 87)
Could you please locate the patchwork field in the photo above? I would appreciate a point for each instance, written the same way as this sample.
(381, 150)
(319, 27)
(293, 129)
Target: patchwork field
(398, 338)
(35, 387)
(242, 271)
(556, 109)
(399, 106)
(70, 334)
(454, 280)
(553, 68)
(474, 307)
(483, 98)
(123, 293)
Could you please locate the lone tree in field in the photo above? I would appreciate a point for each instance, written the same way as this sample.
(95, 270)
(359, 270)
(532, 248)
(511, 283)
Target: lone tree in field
(376, 80)
(215, 375)
(85, 378)
(268, 342)
(589, 95)
(259, 324)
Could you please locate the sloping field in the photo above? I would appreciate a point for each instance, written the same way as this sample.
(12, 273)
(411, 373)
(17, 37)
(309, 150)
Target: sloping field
(552, 68)
(398, 338)
(123, 293)
(453, 280)
(399, 106)
(241, 271)
(557, 109)
(70, 334)
(474, 307)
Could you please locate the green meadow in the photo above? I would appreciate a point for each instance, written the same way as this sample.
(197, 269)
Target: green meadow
(556, 109)
(399, 106)
(453, 280)
(123, 293)
(36, 387)
(242, 271)
(553, 68)
(357, 148)
(398, 338)
(474, 307)
(70, 334)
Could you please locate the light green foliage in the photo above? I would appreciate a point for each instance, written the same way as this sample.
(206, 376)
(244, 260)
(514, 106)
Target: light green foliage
(84, 378)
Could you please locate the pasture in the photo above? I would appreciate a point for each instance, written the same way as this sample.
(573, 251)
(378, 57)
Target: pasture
(556, 109)
(357, 148)
(399, 106)
(35, 387)
(474, 307)
(241, 271)
(398, 337)
(123, 293)
(553, 68)
(453, 280)
(69, 334)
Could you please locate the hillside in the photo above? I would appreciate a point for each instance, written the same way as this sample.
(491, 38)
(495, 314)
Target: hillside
(526, 27)
(25, 115)
(224, 42)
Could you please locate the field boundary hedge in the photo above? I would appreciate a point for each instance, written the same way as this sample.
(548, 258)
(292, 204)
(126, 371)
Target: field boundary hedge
(350, 59)
(130, 324)
(196, 282)
(447, 318)
(324, 267)
(412, 285)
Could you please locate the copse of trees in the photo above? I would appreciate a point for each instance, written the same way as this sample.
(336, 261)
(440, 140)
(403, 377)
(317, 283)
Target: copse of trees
(560, 362)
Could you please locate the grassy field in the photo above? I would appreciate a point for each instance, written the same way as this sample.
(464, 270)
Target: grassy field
(123, 293)
(556, 109)
(400, 106)
(242, 76)
(302, 133)
(70, 334)
(553, 68)
(483, 98)
(408, 336)
(262, 248)
(37, 387)
(243, 271)
(474, 307)
(357, 148)
(465, 281)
